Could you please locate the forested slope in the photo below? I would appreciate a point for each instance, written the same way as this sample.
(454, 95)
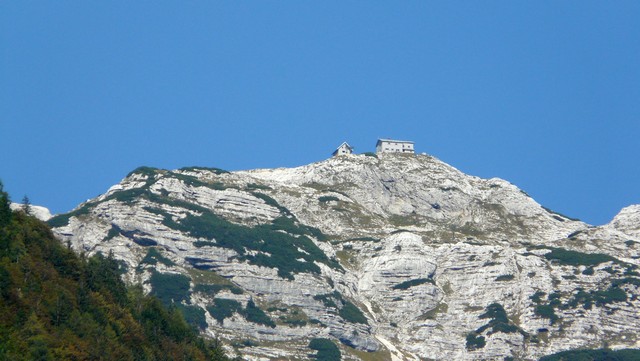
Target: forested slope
(55, 305)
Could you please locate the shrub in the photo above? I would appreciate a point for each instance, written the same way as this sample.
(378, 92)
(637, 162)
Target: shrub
(170, 288)
(475, 341)
(327, 350)
(594, 355)
(326, 199)
(254, 314)
(350, 313)
(154, 256)
(574, 258)
(223, 308)
(547, 311)
(406, 284)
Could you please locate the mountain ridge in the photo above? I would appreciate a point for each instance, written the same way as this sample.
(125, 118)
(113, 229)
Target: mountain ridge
(396, 255)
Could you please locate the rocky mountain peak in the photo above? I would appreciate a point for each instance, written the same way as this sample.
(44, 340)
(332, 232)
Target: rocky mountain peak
(394, 257)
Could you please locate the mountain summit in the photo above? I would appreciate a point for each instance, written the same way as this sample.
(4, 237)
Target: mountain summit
(389, 257)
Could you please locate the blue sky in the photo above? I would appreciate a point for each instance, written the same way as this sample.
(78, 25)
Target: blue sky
(544, 94)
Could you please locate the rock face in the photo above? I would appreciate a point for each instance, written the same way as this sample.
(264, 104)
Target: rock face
(39, 212)
(396, 257)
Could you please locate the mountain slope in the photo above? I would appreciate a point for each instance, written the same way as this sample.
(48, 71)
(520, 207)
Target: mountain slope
(397, 256)
(55, 305)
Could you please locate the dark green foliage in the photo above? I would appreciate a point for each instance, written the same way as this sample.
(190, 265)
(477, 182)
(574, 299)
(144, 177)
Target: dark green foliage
(505, 278)
(194, 315)
(57, 306)
(547, 311)
(254, 186)
(406, 284)
(347, 310)
(588, 271)
(559, 214)
(62, 220)
(594, 355)
(170, 288)
(223, 308)
(272, 202)
(210, 169)
(574, 258)
(5, 207)
(201, 244)
(215, 288)
(536, 297)
(370, 154)
(154, 256)
(277, 249)
(253, 313)
(350, 313)
(143, 170)
(474, 341)
(629, 243)
(114, 231)
(499, 322)
(327, 350)
(325, 199)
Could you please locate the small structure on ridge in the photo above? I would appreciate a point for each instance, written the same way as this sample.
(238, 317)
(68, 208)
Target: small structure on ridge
(394, 146)
(343, 149)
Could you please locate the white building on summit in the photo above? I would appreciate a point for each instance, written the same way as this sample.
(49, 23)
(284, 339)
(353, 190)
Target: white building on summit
(394, 146)
(343, 149)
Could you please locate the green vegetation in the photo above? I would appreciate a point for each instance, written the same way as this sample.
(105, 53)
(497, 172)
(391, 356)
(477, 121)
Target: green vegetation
(196, 168)
(547, 311)
(406, 284)
(170, 288)
(154, 256)
(254, 314)
(255, 186)
(370, 154)
(575, 258)
(499, 322)
(327, 350)
(594, 355)
(223, 308)
(474, 341)
(290, 252)
(350, 313)
(55, 305)
(213, 289)
(347, 310)
(326, 199)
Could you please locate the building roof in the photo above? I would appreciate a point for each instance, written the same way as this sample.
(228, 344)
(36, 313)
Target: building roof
(394, 141)
(345, 143)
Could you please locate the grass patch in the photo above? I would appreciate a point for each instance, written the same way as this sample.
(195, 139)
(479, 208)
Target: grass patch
(594, 355)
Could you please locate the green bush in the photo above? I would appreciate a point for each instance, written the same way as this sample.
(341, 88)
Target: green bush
(350, 313)
(575, 258)
(327, 350)
(154, 256)
(406, 284)
(170, 288)
(213, 289)
(223, 308)
(547, 311)
(325, 199)
(253, 313)
(475, 341)
(594, 355)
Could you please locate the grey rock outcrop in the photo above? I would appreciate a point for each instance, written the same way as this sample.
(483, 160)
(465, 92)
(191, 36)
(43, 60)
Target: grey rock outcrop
(401, 256)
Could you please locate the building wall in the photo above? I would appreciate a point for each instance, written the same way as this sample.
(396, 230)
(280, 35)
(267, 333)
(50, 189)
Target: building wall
(394, 147)
(342, 150)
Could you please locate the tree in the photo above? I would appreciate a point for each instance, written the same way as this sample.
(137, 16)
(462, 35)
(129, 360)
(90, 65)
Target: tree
(5, 207)
(26, 205)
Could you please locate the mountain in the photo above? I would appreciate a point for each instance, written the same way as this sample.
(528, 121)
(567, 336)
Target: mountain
(41, 213)
(388, 257)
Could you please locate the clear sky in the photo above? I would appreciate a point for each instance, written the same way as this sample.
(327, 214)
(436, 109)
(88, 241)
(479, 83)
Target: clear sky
(544, 94)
